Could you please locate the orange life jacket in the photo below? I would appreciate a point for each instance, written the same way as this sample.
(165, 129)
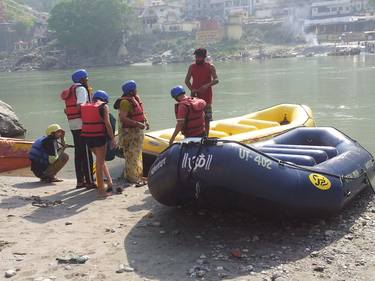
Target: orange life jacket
(194, 122)
(137, 114)
(92, 122)
(71, 110)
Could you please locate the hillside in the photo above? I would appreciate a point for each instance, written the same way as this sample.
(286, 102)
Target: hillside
(39, 5)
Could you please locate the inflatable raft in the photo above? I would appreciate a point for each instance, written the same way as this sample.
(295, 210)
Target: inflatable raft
(305, 170)
(248, 128)
(14, 154)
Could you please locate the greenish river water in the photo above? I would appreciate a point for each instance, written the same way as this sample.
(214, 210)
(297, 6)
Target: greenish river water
(339, 90)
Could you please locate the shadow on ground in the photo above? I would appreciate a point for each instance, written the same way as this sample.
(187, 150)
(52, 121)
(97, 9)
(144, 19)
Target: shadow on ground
(63, 204)
(180, 243)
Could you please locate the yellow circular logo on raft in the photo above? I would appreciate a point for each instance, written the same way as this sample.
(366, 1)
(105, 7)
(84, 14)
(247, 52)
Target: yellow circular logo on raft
(320, 181)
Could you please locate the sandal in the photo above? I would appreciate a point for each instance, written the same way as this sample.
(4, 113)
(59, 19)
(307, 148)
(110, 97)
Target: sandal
(140, 183)
(80, 185)
(104, 195)
(91, 186)
(54, 179)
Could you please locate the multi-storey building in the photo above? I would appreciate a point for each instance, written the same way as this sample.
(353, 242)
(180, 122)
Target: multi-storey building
(337, 8)
(198, 9)
(205, 9)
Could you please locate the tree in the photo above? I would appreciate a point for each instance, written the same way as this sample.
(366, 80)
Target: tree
(90, 27)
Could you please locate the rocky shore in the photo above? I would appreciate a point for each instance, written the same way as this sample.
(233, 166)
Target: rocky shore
(45, 59)
(55, 232)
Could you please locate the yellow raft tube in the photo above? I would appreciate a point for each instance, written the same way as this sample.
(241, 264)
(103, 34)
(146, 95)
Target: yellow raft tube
(247, 129)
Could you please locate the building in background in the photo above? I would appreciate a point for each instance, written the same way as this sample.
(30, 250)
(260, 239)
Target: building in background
(337, 8)
(339, 20)
(210, 32)
(162, 17)
(234, 25)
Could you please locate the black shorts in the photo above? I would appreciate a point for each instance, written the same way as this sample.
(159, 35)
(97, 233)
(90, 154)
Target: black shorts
(95, 141)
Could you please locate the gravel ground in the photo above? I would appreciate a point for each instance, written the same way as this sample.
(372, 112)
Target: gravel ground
(54, 232)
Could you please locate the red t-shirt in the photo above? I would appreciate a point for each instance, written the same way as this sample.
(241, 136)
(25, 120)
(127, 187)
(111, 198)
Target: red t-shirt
(182, 112)
(201, 74)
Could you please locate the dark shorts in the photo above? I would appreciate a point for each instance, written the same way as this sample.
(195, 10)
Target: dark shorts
(95, 142)
(208, 112)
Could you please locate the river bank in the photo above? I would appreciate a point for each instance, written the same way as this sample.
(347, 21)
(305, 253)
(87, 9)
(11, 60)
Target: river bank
(132, 237)
(45, 58)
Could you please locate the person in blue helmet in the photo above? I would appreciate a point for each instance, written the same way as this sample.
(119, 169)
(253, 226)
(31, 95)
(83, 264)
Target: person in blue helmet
(77, 94)
(133, 122)
(96, 129)
(189, 113)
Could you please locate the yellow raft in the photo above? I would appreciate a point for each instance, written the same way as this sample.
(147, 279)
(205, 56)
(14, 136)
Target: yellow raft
(247, 129)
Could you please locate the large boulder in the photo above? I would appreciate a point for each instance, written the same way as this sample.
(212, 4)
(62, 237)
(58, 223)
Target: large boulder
(10, 125)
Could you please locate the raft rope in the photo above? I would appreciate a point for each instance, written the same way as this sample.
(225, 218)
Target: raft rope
(213, 141)
(190, 177)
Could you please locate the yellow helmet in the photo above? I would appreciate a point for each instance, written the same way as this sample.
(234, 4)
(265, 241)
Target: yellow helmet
(53, 128)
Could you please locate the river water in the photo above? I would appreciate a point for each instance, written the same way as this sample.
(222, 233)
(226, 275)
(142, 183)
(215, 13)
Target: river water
(339, 90)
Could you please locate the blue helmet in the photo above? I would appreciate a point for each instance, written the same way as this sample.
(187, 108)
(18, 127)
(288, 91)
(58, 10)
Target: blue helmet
(129, 86)
(78, 75)
(100, 95)
(176, 91)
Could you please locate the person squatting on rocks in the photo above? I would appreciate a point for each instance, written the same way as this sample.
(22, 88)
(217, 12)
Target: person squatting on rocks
(204, 77)
(96, 128)
(189, 114)
(133, 121)
(77, 94)
(47, 154)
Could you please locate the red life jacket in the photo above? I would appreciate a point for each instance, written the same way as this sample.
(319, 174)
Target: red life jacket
(69, 97)
(92, 122)
(201, 74)
(194, 121)
(137, 114)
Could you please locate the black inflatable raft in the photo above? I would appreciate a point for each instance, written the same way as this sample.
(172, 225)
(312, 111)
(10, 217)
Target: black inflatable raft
(304, 170)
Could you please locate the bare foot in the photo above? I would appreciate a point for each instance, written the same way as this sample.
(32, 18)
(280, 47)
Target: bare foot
(103, 195)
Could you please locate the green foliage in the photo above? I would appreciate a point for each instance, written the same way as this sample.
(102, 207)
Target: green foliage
(90, 27)
(40, 5)
(371, 3)
(23, 27)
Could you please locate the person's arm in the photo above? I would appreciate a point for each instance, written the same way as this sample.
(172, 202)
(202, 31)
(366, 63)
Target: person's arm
(182, 112)
(108, 125)
(188, 83)
(214, 81)
(147, 125)
(124, 113)
(178, 128)
(82, 95)
(51, 147)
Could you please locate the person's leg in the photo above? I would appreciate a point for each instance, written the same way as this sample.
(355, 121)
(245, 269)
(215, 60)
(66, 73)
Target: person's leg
(78, 156)
(38, 171)
(55, 167)
(106, 171)
(208, 118)
(99, 161)
(126, 147)
(87, 163)
(108, 175)
(133, 141)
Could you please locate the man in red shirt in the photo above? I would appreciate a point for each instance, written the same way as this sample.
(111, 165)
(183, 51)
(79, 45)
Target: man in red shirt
(204, 77)
(189, 114)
